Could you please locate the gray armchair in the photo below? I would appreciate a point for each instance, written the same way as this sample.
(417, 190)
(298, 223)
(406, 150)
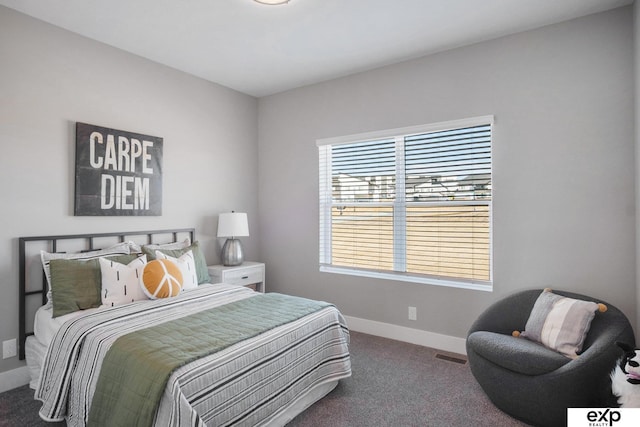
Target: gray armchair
(535, 384)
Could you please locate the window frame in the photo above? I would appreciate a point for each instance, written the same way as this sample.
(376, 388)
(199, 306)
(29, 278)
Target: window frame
(399, 222)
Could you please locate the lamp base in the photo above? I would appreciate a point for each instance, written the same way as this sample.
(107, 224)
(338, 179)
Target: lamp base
(232, 253)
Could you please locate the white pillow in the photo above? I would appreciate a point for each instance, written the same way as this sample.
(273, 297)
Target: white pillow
(175, 245)
(121, 283)
(187, 264)
(136, 248)
(46, 257)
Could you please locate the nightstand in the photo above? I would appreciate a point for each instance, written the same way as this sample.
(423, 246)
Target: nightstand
(249, 274)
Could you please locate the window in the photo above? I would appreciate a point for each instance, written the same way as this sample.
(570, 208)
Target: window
(409, 204)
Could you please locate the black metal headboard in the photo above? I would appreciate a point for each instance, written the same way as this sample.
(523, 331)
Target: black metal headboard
(30, 264)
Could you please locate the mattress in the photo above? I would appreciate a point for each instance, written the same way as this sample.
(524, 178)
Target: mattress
(45, 327)
(34, 352)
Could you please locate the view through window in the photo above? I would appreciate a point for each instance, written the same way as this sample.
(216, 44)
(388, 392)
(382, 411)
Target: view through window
(413, 203)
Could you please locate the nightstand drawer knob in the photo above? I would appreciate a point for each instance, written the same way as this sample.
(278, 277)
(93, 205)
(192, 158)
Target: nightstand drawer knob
(245, 277)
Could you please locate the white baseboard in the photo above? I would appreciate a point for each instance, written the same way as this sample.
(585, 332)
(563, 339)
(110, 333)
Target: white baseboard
(410, 335)
(14, 378)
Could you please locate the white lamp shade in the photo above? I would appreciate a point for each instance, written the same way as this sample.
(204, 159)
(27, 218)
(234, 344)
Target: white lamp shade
(233, 224)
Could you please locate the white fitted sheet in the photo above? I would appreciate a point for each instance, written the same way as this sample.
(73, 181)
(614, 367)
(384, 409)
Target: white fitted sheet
(34, 355)
(45, 325)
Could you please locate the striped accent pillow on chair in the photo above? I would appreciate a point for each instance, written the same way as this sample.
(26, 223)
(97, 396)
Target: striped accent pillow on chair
(561, 323)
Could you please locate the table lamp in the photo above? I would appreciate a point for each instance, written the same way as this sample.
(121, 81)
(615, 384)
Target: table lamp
(232, 225)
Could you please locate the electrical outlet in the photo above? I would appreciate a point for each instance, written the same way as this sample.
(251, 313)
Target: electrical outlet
(9, 349)
(413, 313)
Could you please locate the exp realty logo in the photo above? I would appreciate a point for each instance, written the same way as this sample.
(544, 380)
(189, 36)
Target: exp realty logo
(603, 417)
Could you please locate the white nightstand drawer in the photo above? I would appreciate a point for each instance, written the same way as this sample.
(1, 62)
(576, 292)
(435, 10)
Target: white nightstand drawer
(243, 277)
(249, 274)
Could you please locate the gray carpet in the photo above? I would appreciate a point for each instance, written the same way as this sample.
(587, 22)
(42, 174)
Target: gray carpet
(393, 384)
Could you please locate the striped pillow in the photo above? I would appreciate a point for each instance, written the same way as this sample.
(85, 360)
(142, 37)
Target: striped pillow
(560, 323)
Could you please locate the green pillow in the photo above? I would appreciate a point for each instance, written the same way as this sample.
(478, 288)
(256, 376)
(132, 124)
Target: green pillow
(198, 256)
(76, 284)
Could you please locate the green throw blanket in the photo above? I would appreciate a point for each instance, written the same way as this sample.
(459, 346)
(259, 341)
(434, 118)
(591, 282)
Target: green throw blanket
(138, 365)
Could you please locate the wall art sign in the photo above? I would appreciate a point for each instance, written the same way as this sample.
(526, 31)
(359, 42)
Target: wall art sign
(118, 173)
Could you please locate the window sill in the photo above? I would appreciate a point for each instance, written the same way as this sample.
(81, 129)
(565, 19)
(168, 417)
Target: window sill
(405, 277)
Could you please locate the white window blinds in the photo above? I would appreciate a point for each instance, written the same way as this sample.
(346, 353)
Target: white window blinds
(414, 203)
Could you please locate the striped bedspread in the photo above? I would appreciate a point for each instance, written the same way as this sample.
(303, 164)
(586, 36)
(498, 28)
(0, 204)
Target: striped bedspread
(245, 384)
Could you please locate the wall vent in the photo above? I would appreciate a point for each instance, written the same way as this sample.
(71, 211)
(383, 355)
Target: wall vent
(453, 359)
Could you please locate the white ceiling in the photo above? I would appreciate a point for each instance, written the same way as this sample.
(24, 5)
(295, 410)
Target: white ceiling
(261, 50)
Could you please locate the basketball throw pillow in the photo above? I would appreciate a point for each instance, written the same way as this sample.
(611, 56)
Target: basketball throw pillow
(161, 278)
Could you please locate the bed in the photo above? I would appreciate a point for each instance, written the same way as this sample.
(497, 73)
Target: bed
(216, 354)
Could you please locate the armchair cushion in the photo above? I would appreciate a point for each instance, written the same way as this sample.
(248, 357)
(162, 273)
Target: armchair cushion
(515, 354)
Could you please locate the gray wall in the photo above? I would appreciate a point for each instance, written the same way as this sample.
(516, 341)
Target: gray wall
(49, 79)
(564, 198)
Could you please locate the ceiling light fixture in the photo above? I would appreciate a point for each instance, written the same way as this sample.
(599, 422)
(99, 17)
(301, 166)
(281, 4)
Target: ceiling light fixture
(272, 2)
